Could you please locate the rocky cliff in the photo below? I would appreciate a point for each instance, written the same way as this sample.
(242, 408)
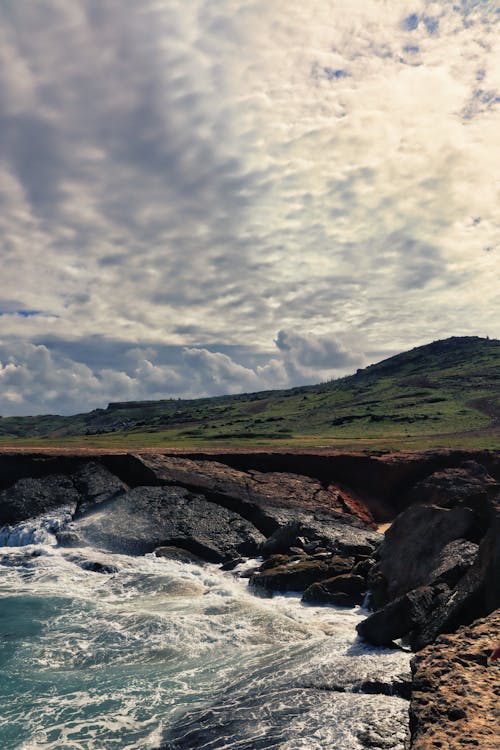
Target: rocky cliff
(314, 519)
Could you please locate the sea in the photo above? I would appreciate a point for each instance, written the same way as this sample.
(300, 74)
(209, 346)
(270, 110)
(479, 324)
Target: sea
(102, 651)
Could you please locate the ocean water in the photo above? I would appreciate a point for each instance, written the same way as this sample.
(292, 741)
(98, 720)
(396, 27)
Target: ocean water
(156, 653)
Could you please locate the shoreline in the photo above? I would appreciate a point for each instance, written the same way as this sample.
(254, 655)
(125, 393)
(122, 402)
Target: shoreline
(315, 516)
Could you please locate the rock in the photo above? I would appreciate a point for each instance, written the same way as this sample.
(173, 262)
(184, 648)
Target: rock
(467, 485)
(98, 567)
(145, 518)
(177, 553)
(363, 567)
(345, 590)
(269, 500)
(290, 577)
(29, 497)
(68, 538)
(453, 561)
(455, 694)
(96, 484)
(276, 560)
(399, 685)
(398, 618)
(297, 574)
(232, 564)
(281, 540)
(413, 545)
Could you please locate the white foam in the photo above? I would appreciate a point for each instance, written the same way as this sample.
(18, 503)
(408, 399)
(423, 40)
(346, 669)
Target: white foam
(40, 530)
(121, 656)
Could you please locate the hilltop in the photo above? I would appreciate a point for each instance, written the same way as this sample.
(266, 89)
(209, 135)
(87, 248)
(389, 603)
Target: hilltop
(444, 393)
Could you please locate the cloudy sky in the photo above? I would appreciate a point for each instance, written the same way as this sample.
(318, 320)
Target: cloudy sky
(214, 196)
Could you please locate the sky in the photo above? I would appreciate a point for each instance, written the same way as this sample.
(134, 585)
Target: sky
(201, 197)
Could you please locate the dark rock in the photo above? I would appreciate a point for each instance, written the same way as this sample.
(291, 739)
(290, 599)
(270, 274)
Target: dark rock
(28, 497)
(96, 485)
(281, 540)
(344, 590)
(269, 500)
(363, 567)
(453, 561)
(467, 485)
(98, 567)
(68, 538)
(413, 544)
(297, 574)
(290, 577)
(232, 564)
(276, 560)
(398, 618)
(399, 685)
(145, 518)
(177, 553)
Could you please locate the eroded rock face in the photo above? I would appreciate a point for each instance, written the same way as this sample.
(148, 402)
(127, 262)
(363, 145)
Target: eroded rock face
(413, 546)
(455, 703)
(269, 500)
(144, 518)
(96, 485)
(421, 552)
(30, 497)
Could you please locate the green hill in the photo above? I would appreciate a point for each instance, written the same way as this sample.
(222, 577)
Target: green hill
(446, 393)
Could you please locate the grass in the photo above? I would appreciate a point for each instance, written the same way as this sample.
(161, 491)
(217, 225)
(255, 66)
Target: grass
(444, 394)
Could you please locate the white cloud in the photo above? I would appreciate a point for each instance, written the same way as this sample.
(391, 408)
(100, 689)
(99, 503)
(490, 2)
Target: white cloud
(187, 174)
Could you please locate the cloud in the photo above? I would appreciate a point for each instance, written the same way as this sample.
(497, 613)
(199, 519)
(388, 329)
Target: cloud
(36, 378)
(201, 175)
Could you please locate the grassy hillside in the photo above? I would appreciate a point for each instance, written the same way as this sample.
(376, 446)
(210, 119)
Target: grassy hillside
(444, 393)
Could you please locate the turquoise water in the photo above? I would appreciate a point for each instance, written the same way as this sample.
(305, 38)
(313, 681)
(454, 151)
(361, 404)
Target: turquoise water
(162, 653)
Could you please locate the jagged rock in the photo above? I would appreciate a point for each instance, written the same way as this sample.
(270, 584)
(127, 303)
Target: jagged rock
(98, 567)
(145, 518)
(96, 484)
(177, 553)
(290, 577)
(344, 590)
(455, 694)
(270, 500)
(453, 561)
(399, 685)
(30, 497)
(281, 540)
(363, 567)
(68, 538)
(299, 573)
(414, 542)
(398, 618)
(469, 484)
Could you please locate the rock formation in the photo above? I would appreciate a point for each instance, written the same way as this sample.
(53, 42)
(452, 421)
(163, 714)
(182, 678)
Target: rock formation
(455, 701)
(313, 521)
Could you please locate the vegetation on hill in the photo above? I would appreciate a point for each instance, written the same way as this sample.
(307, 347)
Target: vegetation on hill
(443, 393)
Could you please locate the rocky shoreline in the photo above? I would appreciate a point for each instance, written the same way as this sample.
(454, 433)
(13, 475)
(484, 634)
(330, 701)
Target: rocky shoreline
(432, 580)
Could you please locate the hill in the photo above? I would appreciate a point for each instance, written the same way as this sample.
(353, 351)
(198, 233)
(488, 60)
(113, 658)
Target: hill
(444, 393)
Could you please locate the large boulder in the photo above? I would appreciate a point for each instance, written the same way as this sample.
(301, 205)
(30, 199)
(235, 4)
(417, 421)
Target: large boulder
(345, 590)
(413, 545)
(454, 700)
(30, 497)
(144, 518)
(269, 500)
(468, 484)
(453, 562)
(398, 618)
(95, 484)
